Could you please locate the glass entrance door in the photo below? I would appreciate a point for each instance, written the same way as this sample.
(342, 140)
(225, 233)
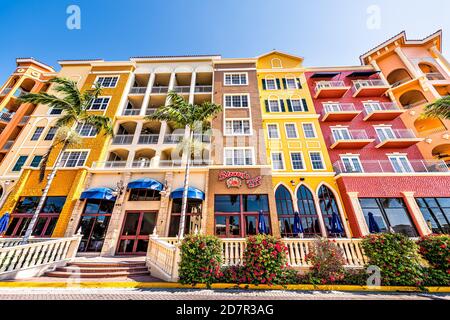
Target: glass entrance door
(136, 230)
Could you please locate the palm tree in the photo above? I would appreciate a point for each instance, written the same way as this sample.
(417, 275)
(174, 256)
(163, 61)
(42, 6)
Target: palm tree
(74, 105)
(194, 118)
(438, 109)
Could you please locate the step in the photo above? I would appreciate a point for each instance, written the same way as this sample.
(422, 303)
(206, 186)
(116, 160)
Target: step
(119, 274)
(105, 264)
(77, 269)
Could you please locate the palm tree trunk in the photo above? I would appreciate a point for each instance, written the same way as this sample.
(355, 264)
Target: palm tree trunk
(43, 197)
(186, 187)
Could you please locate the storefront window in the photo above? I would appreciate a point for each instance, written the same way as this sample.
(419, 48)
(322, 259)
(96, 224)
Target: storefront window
(193, 216)
(436, 212)
(330, 211)
(46, 221)
(390, 215)
(238, 215)
(144, 195)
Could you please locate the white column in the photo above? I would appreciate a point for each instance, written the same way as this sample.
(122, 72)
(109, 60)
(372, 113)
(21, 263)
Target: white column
(162, 132)
(323, 230)
(192, 89)
(171, 84)
(148, 91)
(357, 210)
(124, 98)
(443, 62)
(137, 133)
(407, 63)
(416, 214)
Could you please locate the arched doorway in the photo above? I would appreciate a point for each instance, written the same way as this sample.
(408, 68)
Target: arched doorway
(412, 98)
(285, 211)
(330, 212)
(308, 213)
(398, 76)
(431, 72)
(442, 152)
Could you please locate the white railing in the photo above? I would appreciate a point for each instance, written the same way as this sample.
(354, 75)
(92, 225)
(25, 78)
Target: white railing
(349, 136)
(337, 108)
(150, 111)
(123, 139)
(400, 82)
(384, 106)
(396, 134)
(162, 259)
(415, 104)
(170, 163)
(160, 89)
(131, 112)
(142, 164)
(329, 85)
(36, 257)
(138, 90)
(358, 84)
(432, 76)
(109, 164)
(148, 139)
(385, 166)
(182, 89)
(203, 89)
(173, 138)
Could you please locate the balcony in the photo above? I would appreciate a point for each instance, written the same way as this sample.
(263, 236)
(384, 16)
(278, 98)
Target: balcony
(435, 76)
(148, 139)
(369, 88)
(160, 90)
(400, 138)
(339, 112)
(138, 90)
(24, 120)
(385, 166)
(203, 89)
(173, 138)
(170, 163)
(352, 139)
(382, 111)
(182, 89)
(109, 164)
(131, 112)
(330, 89)
(123, 139)
(6, 116)
(145, 163)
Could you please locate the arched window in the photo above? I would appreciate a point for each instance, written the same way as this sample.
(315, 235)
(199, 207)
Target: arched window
(308, 212)
(276, 63)
(285, 210)
(330, 212)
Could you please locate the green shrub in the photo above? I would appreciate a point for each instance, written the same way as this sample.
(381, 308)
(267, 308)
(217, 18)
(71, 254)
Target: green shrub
(327, 261)
(397, 257)
(201, 258)
(435, 249)
(265, 260)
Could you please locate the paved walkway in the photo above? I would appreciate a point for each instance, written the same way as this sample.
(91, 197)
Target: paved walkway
(189, 294)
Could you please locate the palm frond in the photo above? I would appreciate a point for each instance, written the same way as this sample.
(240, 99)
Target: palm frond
(46, 99)
(69, 88)
(66, 120)
(100, 123)
(438, 109)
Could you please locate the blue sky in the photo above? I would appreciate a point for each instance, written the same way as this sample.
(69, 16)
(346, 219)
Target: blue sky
(324, 32)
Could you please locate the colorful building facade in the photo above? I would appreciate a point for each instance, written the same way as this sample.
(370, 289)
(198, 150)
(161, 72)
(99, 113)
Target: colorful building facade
(335, 147)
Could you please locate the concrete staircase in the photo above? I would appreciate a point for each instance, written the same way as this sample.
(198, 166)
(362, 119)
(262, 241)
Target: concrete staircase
(100, 269)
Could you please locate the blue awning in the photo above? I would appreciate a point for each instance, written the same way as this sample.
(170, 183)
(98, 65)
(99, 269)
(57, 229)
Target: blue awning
(145, 183)
(193, 193)
(99, 193)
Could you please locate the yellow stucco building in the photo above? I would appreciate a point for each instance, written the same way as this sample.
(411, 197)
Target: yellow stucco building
(303, 177)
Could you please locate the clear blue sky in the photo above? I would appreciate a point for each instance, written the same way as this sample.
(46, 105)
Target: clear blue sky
(324, 32)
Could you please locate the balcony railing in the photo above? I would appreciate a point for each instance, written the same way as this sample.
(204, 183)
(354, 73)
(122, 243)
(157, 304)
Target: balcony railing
(201, 162)
(352, 135)
(150, 111)
(182, 89)
(138, 90)
(160, 89)
(358, 84)
(382, 111)
(170, 163)
(131, 112)
(396, 134)
(6, 116)
(432, 76)
(351, 139)
(142, 163)
(109, 164)
(148, 139)
(385, 166)
(339, 112)
(329, 85)
(400, 82)
(24, 120)
(341, 107)
(173, 138)
(415, 104)
(399, 138)
(123, 139)
(203, 89)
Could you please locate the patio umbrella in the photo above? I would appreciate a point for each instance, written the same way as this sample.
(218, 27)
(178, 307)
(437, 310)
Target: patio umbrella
(373, 225)
(262, 228)
(297, 229)
(336, 226)
(4, 222)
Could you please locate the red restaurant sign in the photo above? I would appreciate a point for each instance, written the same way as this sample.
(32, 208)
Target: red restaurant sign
(234, 179)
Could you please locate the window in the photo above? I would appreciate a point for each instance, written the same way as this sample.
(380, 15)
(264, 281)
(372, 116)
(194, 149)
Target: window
(277, 161)
(307, 212)
(297, 161)
(271, 84)
(291, 83)
(384, 133)
(144, 195)
(71, 159)
(332, 107)
(100, 103)
(291, 130)
(372, 106)
(55, 111)
(238, 157)
(351, 164)
(50, 134)
(436, 212)
(330, 212)
(193, 216)
(236, 101)
(274, 106)
(237, 127)
(400, 164)
(308, 130)
(235, 79)
(36, 161)
(238, 215)
(272, 131)
(389, 214)
(107, 82)
(86, 130)
(37, 133)
(316, 160)
(297, 105)
(19, 164)
(340, 134)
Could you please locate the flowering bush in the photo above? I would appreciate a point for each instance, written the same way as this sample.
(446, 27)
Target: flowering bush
(327, 261)
(436, 250)
(397, 257)
(201, 258)
(265, 260)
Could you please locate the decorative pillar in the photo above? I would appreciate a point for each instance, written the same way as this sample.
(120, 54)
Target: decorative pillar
(192, 89)
(162, 226)
(443, 62)
(407, 63)
(148, 91)
(124, 98)
(416, 215)
(323, 230)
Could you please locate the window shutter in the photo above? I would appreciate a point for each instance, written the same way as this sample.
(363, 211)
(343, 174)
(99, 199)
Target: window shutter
(267, 105)
(299, 83)
(289, 105)
(305, 105)
(264, 84)
(278, 84)
(284, 84)
(282, 105)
